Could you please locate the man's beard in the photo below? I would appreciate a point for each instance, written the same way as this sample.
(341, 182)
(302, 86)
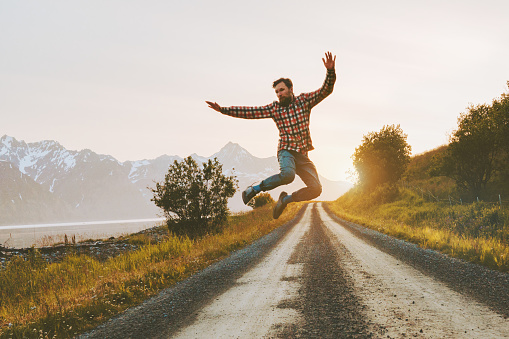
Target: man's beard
(285, 101)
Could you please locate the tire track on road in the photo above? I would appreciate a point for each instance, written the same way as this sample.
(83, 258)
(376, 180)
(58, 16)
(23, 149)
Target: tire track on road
(299, 290)
(255, 306)
(407, 302)
(327, 299)
(487, 286)
(177, 307)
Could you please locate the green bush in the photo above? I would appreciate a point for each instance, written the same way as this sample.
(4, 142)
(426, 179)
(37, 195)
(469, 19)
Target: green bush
(195, 200)
(260, 200)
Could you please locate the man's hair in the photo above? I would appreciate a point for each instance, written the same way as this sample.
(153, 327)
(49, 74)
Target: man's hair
(286, 81)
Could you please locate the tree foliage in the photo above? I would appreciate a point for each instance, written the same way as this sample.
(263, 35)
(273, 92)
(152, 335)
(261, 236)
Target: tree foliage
(194, 200)
(260, 200)
(479, 148)
(501, 113)
(382, 157)
(472, 150)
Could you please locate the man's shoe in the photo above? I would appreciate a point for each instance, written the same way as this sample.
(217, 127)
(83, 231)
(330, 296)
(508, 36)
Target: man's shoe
(280, 205)
(248, 194)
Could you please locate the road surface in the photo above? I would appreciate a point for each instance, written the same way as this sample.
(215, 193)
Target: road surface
(321, 277)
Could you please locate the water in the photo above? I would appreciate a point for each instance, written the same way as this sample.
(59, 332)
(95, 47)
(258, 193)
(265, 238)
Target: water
(21, 236)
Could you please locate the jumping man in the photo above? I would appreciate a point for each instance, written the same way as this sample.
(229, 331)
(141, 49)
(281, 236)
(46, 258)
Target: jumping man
(291, 115)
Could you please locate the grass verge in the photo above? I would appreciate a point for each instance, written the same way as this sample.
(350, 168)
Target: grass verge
(60, 300)
(477, 232)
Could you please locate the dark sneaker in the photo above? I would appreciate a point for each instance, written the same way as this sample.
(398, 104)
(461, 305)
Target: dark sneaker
(248, 194)
(280, 206)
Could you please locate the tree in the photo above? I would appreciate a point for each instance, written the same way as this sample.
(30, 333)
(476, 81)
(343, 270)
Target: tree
(501, 114)
(478, 151)
(194, 200)
(473, 148)
(260, 200)
(382, 157)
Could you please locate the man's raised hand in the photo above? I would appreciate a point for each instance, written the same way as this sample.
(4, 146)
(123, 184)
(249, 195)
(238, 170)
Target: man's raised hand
(214, 105)
(329, 61)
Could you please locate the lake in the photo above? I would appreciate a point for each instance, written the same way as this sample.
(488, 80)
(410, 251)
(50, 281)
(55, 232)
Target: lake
(21, 236)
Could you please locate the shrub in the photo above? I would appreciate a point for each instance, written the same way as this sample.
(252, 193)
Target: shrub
(260, 200)
(194, 200)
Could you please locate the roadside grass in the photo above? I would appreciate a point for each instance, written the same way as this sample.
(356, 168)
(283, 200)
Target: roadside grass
(61, 300)
(140, 239)
(475, 232)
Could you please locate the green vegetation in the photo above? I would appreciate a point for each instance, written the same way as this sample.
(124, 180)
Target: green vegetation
(139, 239)
(38, 299)
(261, 200)
(477, 156)
(477, 232)
(382, 157)
(194, 200)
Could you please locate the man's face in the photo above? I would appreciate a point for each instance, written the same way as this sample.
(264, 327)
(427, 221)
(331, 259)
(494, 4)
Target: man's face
(284, 94)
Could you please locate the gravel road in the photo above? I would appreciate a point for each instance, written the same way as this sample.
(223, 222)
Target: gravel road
(321, 277)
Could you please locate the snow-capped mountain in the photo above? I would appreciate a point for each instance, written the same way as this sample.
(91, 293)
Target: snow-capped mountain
(84, 185)
(92, 186)
(238, 161)
(46, 162)
(22, 196)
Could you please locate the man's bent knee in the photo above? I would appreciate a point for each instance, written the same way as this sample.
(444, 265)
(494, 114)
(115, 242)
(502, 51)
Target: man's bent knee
(307, 193)
(287, 177)
(315, 191)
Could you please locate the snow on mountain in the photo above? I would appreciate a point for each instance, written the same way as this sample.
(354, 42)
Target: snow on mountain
(138, 168)
(22, 200)
(95, 186)
(43, 161)
(99, 186)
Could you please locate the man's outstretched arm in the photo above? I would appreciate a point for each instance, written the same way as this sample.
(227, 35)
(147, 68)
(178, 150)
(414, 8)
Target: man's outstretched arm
(257, 112)
(328, 86)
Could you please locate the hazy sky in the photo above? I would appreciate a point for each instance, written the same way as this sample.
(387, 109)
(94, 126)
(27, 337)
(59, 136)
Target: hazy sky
(129, 78)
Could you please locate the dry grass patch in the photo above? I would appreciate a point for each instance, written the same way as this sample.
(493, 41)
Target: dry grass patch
(478, 233)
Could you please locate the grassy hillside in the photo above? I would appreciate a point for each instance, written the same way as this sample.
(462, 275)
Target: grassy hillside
(419, 210)
(419, 175)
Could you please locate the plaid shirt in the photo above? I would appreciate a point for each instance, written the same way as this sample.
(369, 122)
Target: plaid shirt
(292, 121)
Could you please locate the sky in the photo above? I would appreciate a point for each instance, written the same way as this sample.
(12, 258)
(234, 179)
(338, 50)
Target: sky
(130, 78)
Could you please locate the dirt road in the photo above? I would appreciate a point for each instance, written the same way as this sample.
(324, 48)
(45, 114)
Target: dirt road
(320, 277)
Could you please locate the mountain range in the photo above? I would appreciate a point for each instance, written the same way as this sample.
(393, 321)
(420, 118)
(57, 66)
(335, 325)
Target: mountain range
(43, 182)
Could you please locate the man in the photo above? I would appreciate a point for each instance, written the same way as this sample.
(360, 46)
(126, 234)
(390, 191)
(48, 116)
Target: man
(291, 115)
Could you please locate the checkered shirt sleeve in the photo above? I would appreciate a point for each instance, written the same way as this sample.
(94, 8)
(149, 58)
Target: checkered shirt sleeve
(314, 98)
(245, 112)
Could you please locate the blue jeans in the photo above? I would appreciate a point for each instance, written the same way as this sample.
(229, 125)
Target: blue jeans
(291, 163)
